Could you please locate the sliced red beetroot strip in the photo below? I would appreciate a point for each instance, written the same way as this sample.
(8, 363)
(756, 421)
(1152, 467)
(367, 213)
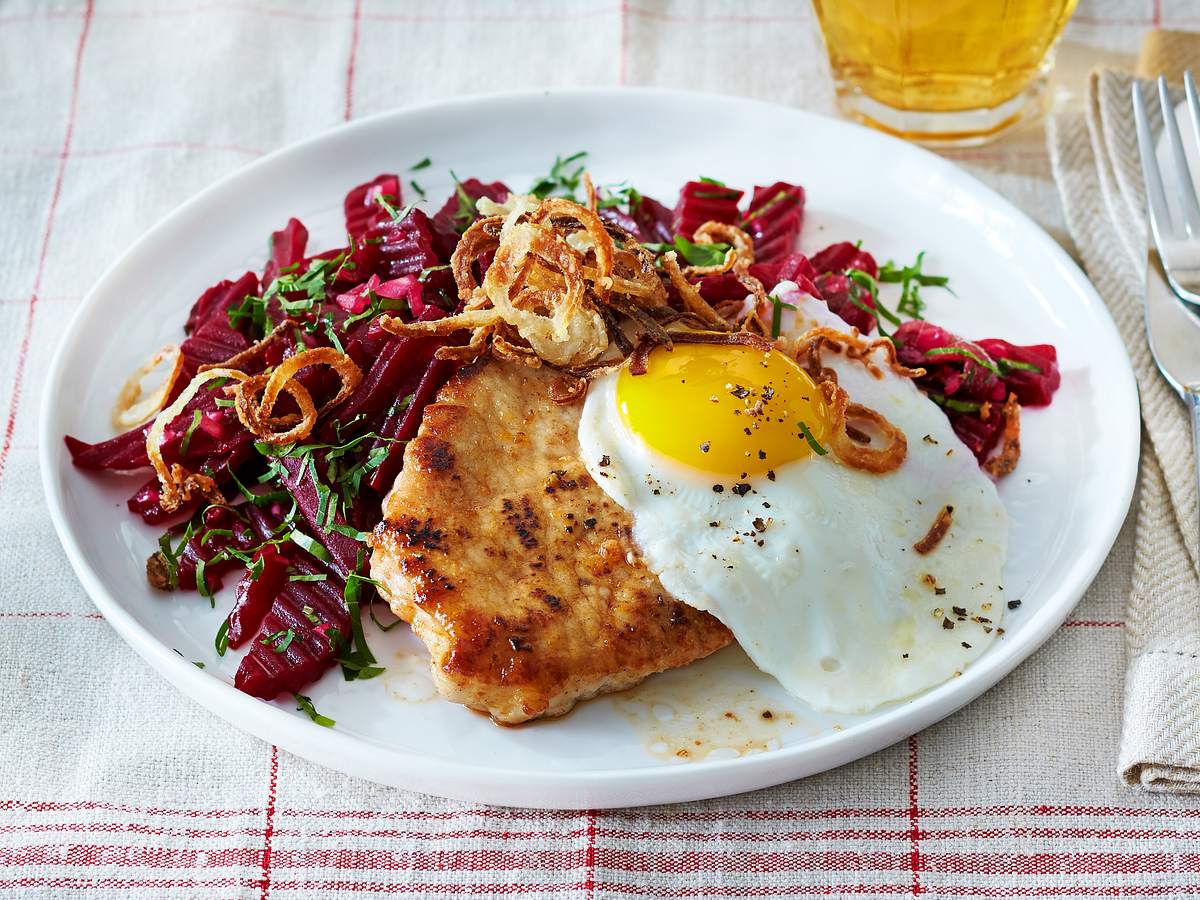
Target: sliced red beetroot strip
(436, 374)
(255, 595)
(446, 228)
(311, 648)
(287, 249)
(655, 221)
(362, 207)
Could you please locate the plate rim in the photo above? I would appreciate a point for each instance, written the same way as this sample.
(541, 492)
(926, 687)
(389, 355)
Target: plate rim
(608, 787)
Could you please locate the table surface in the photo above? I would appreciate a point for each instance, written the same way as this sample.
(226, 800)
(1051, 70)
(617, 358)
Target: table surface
(114, 784)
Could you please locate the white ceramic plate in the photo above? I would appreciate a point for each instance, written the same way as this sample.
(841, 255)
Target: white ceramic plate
(1066, 501)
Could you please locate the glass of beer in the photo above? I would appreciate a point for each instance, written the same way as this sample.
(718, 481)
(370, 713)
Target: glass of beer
(941, 71)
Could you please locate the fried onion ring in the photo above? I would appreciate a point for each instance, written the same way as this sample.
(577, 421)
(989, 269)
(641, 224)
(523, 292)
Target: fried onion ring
(848, 451)
(131, 408)
(690, 294)
(1010, 451)
(177, 483)
(741, 243)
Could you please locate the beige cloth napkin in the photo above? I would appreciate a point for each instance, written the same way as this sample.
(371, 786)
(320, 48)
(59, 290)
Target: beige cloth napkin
(1096, 164)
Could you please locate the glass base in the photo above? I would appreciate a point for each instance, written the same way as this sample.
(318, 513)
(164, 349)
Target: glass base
(960, 128)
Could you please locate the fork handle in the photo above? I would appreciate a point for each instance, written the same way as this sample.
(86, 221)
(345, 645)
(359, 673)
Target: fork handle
(1191, 393)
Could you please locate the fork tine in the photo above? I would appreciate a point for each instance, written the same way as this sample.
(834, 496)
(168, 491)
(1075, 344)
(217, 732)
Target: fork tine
(1156, 199)
(1193, 102)
(1183, 175)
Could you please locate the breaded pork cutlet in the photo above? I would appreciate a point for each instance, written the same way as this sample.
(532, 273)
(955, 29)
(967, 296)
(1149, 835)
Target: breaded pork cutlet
(516, 570)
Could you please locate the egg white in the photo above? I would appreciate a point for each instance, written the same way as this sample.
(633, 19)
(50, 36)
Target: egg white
(824, 591)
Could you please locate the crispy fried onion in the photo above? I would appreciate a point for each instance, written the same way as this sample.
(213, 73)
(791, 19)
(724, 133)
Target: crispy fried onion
(1010, 450)
(846, 417)
(936, 531)
(131, 408)
(807, 351)
(257, 414)
(741, 252)
(178, 484)
(557, 287)
(690, 294)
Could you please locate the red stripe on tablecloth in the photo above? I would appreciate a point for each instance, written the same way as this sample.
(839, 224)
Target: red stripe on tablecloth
(1078, 863)
(23, 352)
(137, 828)
(859, 834)
(590, 856)
(516, 858)
(650, 818)
(315, 888)
(82, 855)
(793, 890)
(1156, 14)
(76, 805)
(687, 862)
(355, 21)
(943, 812)
(269, 825)
(26, 614)
(101, 883)
(914, 816)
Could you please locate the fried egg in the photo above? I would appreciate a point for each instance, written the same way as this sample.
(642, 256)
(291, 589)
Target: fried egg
(721, 455)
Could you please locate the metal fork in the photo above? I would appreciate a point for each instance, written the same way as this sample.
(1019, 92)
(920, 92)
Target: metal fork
(1176, 232)
(1172, 328)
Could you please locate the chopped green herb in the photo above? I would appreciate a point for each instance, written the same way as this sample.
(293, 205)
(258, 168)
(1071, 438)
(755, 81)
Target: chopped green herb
(198, 665)
(423, 164)
(708, 180)
(691, 253)
(222, 639)
(304, 704)
(1016, 365)
(279, 641)
(187, 435)
(812, 441)
(416, 187)
(561, 180)
(426, 272)
(963, 406)
(778, 307)
(302, 540)
(308, 610)
(967, 354)
(911, 280)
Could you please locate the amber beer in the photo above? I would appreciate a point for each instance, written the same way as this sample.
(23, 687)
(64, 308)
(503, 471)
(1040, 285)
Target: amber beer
(952, 71)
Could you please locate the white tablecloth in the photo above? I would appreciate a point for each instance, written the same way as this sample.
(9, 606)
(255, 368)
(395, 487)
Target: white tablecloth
(113, 784)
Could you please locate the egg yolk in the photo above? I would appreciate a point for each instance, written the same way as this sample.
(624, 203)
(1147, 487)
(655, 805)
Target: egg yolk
(723, 408)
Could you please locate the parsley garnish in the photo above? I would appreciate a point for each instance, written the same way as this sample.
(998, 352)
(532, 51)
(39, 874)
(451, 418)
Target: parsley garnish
(187, 435)
(812, 441)
(708, 180)
(693, 254)
(423, 164)
(911, 280)
(222, 639)
(302, 540)
(465, 214)
(375, 307)
(317, 577)
(280, 640)
(416, 187)
(777, 314)
(963, 406)
(863, 280)
(1016, 365)
(304, 704)
(560, 179)
(964, 352)
(429, 270)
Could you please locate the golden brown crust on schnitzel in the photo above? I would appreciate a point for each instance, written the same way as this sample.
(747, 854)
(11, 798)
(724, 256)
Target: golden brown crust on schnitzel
(517, 571)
